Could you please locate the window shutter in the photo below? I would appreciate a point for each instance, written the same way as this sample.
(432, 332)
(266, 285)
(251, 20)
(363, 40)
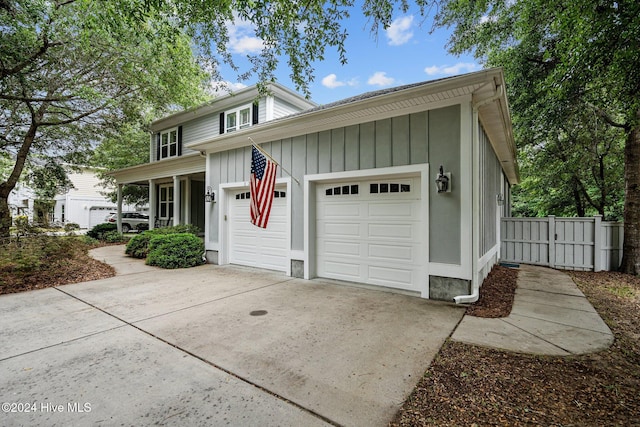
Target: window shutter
(254, 112)
(179, 140)
(221, 123)
(158, 146)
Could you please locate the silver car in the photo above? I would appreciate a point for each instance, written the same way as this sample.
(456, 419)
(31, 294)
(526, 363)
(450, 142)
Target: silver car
(130, 221)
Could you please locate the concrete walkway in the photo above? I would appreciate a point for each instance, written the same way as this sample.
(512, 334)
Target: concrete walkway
(550, 316)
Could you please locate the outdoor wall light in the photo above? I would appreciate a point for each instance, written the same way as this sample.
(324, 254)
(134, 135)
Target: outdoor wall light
(442, 181)
(210, 196)
(500, 199)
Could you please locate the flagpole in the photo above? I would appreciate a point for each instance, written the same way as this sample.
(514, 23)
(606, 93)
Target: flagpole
(272, 159)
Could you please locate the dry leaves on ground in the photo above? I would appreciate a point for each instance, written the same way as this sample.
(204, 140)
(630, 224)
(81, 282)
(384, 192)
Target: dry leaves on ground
(468, 385)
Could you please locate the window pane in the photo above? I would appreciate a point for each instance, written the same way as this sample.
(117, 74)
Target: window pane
(354, 189)
(172, 150)
(163, 194)
(165, 151)
(171, 209)
(373, 188)
(336, 190)
(165, 139)
(395, 188)
(245, 117)
(174, 137)
(329, 192)
(345, 189)
(384, 188)
(163, 210)
(231, 122)
(170, 194)
(405, 188)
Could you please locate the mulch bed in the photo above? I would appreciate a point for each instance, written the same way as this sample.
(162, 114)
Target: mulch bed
(496, 294)
(468, 385)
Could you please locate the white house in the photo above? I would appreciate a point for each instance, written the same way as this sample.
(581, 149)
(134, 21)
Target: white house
(361, 203)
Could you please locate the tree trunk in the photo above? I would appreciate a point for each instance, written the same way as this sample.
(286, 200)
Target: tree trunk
(5, 217)
(631, 247)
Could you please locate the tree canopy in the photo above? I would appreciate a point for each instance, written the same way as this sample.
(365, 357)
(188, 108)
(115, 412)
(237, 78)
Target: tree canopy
(573, 75)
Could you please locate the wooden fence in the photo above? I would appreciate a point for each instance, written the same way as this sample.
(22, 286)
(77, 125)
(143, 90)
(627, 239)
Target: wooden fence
(587, 244)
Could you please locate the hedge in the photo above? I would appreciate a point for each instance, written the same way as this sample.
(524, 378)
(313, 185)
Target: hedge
(175, 250)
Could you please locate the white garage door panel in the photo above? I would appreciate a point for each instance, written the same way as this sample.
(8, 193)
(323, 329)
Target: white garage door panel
(368, 237)
(257, 247)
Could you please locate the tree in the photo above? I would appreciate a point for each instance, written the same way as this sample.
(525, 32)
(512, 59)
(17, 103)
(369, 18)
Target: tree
(69, 70)
(560, 56)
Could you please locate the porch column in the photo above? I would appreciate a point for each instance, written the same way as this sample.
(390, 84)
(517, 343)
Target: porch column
(152, 204)
(119, 217)
(177, 200)
(187, 200)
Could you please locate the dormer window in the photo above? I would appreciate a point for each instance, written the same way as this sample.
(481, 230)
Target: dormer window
(238, 118)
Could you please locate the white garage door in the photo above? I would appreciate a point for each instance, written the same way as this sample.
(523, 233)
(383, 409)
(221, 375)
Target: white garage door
(369, 232)
(254, 246)
(98, 214)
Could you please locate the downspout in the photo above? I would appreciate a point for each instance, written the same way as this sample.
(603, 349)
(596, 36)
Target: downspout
(475, 147)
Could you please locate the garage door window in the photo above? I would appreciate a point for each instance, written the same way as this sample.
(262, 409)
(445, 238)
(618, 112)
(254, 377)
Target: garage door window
(342, 190)
(247, 195)
(389, 187)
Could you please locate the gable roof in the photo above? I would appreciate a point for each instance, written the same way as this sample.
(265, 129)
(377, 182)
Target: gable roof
(486, 89)
(224, 102)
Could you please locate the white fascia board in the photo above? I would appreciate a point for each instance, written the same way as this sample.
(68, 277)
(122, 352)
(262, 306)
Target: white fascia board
(188, 164)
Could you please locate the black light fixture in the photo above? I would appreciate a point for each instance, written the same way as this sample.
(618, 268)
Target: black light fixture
(442, 181)
(210, 196)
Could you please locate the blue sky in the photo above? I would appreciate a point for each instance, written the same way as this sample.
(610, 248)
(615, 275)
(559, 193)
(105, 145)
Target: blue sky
(405, 53)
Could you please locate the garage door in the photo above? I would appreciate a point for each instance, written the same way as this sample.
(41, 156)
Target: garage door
(369, 232)
(98, 214)
(254, 246)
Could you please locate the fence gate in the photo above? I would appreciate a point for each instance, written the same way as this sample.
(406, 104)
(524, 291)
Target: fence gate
(587, 244)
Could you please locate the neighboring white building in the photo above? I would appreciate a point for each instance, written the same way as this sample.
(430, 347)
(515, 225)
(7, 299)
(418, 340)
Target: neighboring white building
(84, 204)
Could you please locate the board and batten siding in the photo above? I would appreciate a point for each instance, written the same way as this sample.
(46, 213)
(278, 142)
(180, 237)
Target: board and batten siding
(430, 136)
(490, 186)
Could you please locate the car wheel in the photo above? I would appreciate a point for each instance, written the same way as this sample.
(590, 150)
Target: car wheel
(126, 228)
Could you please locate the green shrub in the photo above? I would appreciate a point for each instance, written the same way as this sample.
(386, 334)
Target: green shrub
(175, 250)
(99, 230)
(138, 246)
(113, 237)
(71, 226)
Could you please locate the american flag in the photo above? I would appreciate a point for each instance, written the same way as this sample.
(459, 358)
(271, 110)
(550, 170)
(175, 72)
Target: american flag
(262, 184)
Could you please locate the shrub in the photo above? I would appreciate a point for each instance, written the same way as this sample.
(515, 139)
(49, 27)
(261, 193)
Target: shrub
(113, 237)
(71, 226)
(138, 246)
(99, 230)
(175, 250)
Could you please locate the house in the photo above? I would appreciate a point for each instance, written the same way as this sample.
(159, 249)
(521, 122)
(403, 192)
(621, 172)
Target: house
(361, 204)
(84, 204)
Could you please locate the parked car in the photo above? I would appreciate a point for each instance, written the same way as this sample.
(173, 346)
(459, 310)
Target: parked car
(130, 221)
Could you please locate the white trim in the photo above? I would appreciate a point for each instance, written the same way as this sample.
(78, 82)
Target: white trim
(168, 132)
(238, 126)
(484, 260)
(309, 209)
(270, 103)
(223, 225)
(297, 255)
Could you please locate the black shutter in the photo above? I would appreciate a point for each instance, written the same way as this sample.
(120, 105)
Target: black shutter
(179, 140)
(254, 113)
(221, 123)
(158, 146)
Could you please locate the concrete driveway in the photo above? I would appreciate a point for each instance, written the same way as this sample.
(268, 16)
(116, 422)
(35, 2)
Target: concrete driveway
(211, 346)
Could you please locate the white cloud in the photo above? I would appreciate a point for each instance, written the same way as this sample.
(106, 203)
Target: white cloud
(399, 32)
(331, 81)
(379, 78)
(451, 70)
(242, 38)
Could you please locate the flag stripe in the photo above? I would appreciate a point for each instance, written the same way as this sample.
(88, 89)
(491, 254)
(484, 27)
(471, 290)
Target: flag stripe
(261, 186)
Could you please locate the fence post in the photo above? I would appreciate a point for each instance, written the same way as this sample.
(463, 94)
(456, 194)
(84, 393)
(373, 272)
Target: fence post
(552, 241)
(597, 243)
